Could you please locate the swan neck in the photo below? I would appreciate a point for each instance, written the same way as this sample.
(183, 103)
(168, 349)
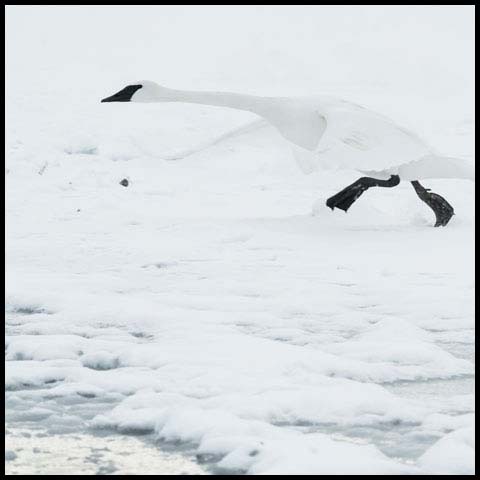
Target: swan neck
(237, 101)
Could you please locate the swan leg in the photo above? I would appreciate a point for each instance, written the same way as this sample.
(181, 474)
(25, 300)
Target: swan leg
(442, 209)
(344, 199)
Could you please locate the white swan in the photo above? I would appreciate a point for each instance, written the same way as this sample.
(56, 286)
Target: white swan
(325, 132)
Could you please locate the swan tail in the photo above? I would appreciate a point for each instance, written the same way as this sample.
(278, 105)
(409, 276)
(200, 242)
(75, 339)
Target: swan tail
(430, 166)
(438, 166)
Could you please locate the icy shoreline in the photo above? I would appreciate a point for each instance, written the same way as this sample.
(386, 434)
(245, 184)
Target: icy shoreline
(38, 453)
(216, 302)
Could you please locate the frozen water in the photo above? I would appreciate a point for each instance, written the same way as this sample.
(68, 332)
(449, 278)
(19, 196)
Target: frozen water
(40, 453)
(214, 316)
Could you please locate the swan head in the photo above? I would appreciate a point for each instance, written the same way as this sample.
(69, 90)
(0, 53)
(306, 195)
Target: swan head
(142, 91)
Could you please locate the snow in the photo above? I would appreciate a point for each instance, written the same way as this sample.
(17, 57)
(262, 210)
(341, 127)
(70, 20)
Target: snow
(451, 455)
(215, 307)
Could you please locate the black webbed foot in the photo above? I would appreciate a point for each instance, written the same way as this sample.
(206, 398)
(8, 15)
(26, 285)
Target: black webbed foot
(442, 209)
(345, 198)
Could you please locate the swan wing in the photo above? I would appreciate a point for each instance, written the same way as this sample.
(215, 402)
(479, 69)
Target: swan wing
(357, 138)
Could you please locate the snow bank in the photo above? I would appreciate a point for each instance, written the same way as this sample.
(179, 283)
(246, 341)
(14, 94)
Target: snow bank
(454, 454)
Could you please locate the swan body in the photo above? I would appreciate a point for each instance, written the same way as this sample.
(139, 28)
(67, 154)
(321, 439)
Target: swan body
(325, 132)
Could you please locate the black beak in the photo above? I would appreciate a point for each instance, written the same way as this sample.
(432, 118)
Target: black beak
(124, 95)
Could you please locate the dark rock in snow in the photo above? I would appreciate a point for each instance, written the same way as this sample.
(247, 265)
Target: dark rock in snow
(124, 182)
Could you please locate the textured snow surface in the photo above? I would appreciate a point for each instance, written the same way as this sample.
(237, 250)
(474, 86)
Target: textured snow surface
(216, 308)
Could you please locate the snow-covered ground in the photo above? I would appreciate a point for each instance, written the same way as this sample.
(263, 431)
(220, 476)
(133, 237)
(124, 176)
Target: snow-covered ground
(214, 315)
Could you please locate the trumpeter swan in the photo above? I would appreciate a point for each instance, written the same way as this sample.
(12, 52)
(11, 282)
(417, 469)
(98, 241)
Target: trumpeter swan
(326, 132)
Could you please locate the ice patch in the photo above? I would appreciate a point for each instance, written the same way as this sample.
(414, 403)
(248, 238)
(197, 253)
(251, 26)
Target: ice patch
(100, 361)
(81, 145)
(10, 455)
